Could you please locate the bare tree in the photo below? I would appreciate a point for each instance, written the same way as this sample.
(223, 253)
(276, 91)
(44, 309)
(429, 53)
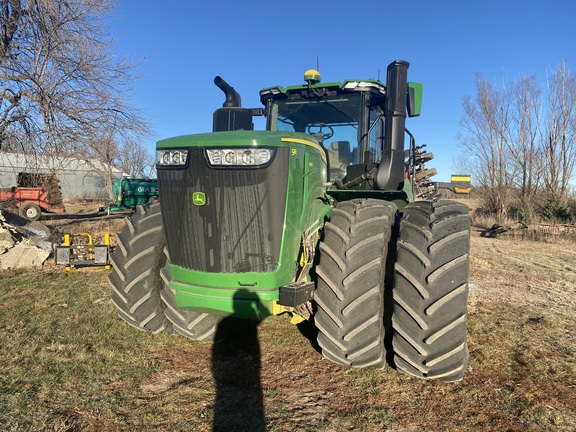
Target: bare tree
(62, 92)
(487, 140)
(525, 149)
(516, 140)
(136, 161)
(101, 155)
(559, 133)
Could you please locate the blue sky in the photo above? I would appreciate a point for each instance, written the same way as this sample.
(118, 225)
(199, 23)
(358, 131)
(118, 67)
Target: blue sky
(183, 45)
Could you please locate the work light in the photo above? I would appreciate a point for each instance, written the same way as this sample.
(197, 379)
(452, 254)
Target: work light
(246, 157)
(171, 157)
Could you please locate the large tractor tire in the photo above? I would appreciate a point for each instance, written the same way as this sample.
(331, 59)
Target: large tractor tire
(193, 325)
(350, 283)
(431, 290)
(136, 265)
(140, 280)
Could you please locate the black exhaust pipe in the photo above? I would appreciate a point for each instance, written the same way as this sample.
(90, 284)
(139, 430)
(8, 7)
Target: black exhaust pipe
(390, 173)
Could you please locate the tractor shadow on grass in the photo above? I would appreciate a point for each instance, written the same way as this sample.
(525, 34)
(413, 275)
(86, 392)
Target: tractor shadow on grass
(310, 332)
(236, 368)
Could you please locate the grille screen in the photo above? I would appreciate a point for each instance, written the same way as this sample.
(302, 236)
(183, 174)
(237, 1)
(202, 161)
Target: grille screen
(239, 229)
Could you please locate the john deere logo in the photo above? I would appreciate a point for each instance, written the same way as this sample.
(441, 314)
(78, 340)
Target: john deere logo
(198, 198)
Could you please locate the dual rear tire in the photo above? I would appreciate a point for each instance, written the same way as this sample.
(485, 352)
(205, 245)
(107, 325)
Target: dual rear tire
(427, 271)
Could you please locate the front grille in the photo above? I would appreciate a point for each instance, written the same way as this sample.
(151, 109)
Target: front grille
(239, 229)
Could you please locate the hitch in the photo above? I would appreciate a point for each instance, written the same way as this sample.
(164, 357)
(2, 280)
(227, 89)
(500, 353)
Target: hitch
(79, 250)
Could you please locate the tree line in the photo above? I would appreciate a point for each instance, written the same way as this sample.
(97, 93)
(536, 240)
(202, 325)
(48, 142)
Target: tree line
(64, 93)
(62, 90)
(519, 144)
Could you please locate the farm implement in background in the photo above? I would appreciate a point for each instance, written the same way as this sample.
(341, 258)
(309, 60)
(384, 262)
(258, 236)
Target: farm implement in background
(459, 184)
(131, 192)
(79, 250)
(34, 194)
(424, 187)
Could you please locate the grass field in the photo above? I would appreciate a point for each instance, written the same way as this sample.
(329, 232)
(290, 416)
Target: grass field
(68, 363)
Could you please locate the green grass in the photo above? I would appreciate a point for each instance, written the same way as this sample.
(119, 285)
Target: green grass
(69, 363)
(64, 353)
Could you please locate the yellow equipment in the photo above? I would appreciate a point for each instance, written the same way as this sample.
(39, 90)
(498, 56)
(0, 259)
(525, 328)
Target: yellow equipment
(79, 250)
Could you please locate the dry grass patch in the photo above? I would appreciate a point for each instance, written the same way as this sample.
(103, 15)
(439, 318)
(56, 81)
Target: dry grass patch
(524, 272)
(68, 363)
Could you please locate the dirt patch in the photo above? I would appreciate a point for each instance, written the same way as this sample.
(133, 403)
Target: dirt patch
(272, 381)
(97, 226)
(306, 402)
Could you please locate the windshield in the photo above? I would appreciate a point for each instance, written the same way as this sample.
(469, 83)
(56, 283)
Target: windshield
(337, 118)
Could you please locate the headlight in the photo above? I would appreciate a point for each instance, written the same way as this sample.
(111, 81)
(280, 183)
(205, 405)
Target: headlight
(171, 157)
(239, 156)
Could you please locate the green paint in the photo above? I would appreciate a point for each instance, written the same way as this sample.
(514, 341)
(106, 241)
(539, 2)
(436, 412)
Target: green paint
(308, 202)
(306, 205)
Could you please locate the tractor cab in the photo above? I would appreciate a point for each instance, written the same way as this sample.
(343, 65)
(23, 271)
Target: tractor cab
(348, 121)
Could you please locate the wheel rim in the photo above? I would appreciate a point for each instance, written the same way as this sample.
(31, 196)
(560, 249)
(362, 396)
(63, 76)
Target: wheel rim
(31, 213)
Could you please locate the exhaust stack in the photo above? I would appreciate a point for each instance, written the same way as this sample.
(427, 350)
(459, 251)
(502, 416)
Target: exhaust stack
(391, 168)
(233, 99)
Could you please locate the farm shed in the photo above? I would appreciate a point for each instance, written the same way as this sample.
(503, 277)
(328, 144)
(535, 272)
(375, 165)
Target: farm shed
(77, 178)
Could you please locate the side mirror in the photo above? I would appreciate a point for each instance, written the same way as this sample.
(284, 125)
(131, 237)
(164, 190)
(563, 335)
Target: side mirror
(414, 99)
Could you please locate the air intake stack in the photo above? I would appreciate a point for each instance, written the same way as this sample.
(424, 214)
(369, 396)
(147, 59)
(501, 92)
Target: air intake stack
(231, 116)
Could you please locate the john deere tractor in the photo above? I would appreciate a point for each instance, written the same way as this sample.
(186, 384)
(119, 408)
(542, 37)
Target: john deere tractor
(313, 217)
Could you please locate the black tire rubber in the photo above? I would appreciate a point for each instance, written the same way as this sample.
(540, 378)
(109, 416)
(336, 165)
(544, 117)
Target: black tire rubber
(431, 290)
(136, 265)
(350, 273)
(30, 211)
(193, 325)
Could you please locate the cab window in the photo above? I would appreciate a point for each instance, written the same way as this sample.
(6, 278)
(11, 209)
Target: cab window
(337, 119)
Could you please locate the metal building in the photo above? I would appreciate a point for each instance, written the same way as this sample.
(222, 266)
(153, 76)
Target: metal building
(77, 178)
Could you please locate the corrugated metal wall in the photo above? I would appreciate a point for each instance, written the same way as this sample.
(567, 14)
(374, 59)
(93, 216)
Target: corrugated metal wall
(77, 179)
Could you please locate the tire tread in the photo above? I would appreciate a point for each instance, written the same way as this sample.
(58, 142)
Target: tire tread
(431, 290)
(350, 283)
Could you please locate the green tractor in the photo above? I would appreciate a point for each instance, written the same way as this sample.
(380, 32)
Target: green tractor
(313, 217)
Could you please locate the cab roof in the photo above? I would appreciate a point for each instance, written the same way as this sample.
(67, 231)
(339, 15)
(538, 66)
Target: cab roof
(334, 88)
